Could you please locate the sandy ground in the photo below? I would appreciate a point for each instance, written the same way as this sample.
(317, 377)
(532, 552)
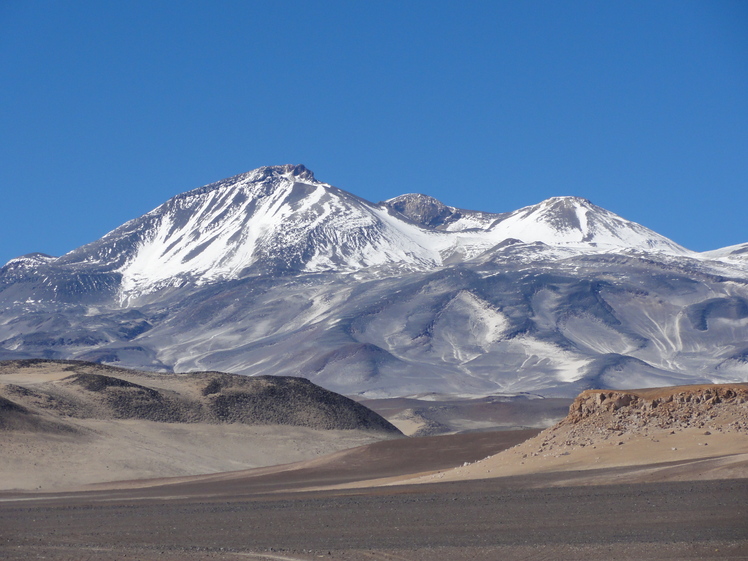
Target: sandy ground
(686, 455)
(511, 518)
(57, 434)
(444, 414)
(388, 458)
(615, 487)
(136, 449)
(271, 514)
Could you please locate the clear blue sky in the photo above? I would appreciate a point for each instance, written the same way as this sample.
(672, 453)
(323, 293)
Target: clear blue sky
(107, 109)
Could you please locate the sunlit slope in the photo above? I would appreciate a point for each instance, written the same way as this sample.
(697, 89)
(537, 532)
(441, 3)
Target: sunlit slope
(274, 272)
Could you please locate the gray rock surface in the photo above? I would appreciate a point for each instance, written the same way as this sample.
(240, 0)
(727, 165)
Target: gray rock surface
(276, 273)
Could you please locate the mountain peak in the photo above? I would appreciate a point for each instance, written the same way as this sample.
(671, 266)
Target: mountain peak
(568, 208)
(576, 220)
(739, 252)
(30, 260)
(296, 171)
(266, 175)
(422, 209)
(275, 272)
(565, 214)
(568, 201)
(280, 219)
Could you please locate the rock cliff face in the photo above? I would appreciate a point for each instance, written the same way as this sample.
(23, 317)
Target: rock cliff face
(679, 407)
(598, 416)
(659, 434)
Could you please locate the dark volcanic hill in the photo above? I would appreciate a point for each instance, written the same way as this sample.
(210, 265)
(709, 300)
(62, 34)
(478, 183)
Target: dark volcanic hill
(275, 273)
(69, 423)
(95, 391)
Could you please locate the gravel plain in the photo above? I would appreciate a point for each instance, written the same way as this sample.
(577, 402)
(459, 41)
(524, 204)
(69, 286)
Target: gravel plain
(267, 514)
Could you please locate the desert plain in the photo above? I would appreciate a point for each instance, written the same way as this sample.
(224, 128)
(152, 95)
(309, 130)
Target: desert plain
(641, 474)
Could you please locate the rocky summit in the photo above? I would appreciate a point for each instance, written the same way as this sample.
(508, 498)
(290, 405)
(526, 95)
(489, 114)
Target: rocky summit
(274, 272)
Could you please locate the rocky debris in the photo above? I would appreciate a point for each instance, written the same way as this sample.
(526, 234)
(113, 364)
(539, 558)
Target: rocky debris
(16, 417)
(285, 400)
(605, 416)
(423, 210)
(126, 400)
(10, 410)
(680, 407)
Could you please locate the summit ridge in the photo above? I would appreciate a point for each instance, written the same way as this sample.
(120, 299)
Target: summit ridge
(276, 272)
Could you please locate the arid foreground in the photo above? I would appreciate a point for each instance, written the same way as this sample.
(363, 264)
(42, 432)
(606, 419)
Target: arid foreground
(357, 504)
(490, 519)
(64, 424)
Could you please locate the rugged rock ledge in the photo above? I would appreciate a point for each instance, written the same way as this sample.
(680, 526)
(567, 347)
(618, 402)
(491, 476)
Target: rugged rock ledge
(596, 416)
(679, 407)
(656, 434)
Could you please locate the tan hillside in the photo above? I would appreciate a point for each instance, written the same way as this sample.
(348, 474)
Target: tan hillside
(683, 432)
(68, 423)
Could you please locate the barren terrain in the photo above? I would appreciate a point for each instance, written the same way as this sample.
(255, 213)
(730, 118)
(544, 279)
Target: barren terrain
(67, 424)
(432, 414)
(511, 518)
(658, 434)
(642, 474)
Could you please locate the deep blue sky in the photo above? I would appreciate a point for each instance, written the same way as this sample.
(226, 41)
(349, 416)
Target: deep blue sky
(107, 109)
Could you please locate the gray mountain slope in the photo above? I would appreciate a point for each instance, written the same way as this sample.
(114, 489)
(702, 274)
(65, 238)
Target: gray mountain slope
(275, 273)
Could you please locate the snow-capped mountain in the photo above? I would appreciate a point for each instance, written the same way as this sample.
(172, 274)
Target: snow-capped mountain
(734, 252)
(275, 272)
(272, 220)
(576, 222)
(277, 220)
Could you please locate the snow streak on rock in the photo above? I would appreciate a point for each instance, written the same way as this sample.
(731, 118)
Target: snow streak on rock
(275, 272)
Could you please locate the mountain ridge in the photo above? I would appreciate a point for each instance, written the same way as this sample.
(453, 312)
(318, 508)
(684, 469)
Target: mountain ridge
(275, 272)
(194, 238)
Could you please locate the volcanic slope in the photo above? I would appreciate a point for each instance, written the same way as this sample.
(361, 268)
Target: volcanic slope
(69, 423)
(274, 272)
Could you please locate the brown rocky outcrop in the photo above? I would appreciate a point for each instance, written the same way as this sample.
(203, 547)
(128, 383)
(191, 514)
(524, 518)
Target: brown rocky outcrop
(621, 436)
(678, 407)
(599, 416)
